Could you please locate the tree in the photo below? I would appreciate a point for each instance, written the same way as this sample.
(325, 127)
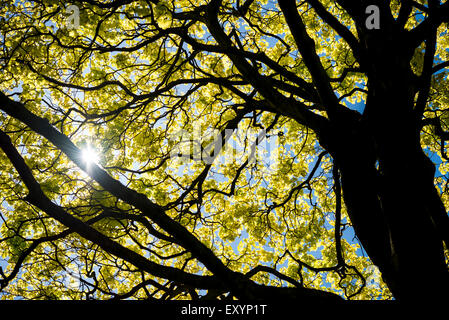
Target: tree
(355, 92)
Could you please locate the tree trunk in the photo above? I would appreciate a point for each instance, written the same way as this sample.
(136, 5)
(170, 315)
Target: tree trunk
(393, 208)
(417, 267)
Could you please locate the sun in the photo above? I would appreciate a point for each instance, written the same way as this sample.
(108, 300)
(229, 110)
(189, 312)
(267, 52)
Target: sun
(89, 155)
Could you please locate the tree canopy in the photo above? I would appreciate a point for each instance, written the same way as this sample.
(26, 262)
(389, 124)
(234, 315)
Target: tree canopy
(223, 149)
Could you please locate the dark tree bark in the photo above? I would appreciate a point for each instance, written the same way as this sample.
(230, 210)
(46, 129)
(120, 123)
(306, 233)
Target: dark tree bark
(396, 210)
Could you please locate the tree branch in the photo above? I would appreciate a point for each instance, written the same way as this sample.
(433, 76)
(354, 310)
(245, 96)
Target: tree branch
(404, 13)
(333, 22)
(337, 231)
(277, 101)
(426, 76)
(237, 283)
(116, 188)
(273, 271)
(436, 17)
(37, 197)
(306, 46)
(440, 66)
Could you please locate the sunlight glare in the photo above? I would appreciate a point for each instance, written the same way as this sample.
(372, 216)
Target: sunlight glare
(89, 155)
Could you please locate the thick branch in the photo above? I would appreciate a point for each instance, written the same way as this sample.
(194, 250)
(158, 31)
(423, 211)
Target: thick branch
(278, 102)
(426, 75)
(440, 66)
(333, 22)
(306, 47)
(37, 197)
(436, 17)
(238, 283)
(138, 200)
(404, 12)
